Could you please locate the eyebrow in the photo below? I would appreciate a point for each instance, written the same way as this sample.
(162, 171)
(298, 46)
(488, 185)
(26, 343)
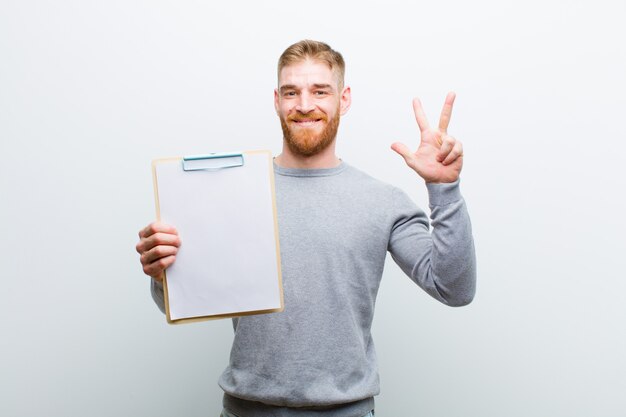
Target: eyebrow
(323, 86)
(287, 87)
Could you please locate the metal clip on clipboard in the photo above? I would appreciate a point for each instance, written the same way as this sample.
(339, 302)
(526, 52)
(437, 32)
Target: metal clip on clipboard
(212, 162)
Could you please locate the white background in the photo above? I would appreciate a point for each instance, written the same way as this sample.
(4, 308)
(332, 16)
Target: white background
(91, 91)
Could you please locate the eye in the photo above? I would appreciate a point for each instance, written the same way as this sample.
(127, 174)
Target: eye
(321, 93)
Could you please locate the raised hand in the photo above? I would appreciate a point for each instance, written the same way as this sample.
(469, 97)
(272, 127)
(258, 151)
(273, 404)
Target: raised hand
(158, 245)
(439, 156)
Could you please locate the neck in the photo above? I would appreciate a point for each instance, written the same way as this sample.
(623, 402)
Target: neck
(322, 160)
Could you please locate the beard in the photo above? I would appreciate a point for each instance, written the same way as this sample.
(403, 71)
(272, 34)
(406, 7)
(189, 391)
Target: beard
(304, 141)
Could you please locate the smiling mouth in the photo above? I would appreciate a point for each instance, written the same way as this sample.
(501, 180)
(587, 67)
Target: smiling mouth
(306, 122)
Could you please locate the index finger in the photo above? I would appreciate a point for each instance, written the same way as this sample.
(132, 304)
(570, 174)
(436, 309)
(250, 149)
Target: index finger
(420, 116)
(446, 112)
(156, 227)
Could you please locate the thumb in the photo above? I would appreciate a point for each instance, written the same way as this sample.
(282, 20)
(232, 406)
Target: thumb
(404, 151)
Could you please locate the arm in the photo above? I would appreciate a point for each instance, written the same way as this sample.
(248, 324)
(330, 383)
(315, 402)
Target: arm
(446, 263)
(443, 262)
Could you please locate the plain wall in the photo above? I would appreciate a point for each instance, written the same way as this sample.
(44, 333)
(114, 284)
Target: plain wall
(92, 91)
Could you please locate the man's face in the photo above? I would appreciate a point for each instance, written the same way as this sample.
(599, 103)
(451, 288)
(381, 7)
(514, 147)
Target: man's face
(309, 104)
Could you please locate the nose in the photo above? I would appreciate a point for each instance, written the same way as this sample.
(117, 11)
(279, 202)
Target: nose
(305, 103)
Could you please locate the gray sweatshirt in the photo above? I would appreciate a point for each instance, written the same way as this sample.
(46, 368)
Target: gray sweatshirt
(317, 357)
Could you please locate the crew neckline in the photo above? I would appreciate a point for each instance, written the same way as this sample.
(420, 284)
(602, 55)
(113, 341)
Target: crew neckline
(304, 172)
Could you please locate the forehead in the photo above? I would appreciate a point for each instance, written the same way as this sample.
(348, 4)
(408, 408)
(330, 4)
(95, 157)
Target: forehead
(306, 73)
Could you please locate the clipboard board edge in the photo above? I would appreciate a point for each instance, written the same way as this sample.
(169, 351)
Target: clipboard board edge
(276, 232)
(197, 319)
(155, 184)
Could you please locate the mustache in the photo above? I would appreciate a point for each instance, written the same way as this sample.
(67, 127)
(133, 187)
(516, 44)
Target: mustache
(298, 117)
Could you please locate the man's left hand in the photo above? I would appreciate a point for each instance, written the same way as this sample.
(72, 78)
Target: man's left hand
(439, 157)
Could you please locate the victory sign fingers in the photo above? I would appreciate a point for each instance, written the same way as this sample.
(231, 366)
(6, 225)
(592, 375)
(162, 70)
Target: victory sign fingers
(439, 156)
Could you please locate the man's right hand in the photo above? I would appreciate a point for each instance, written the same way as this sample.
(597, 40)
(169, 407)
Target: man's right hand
(158, 245)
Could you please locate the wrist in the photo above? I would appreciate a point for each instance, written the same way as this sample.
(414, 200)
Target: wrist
(440, 194)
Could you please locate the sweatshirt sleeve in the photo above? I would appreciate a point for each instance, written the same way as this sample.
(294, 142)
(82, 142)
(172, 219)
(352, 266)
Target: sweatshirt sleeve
(156, 289)
(442, 262)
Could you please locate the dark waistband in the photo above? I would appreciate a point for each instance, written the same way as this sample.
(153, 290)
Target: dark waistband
(245, 408)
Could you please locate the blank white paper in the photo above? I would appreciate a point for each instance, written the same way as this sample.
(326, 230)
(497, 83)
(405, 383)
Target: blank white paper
(228, 261)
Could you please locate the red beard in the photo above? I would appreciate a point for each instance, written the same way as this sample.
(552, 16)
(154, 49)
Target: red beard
(305, 141)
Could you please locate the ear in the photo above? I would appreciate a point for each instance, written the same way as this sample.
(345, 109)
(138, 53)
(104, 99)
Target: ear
(345, 101)
(276, 98)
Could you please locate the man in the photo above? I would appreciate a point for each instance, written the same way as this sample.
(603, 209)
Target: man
(316, 358)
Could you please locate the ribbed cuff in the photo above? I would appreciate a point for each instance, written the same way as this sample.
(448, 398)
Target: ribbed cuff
(156, 288)
(445, 193)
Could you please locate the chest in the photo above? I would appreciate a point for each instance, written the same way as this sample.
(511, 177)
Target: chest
(332, 219)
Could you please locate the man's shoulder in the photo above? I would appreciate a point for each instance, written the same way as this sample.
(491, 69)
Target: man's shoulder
(367, 180)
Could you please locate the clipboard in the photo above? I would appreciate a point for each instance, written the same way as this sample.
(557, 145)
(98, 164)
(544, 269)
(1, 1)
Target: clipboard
(224, 208)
